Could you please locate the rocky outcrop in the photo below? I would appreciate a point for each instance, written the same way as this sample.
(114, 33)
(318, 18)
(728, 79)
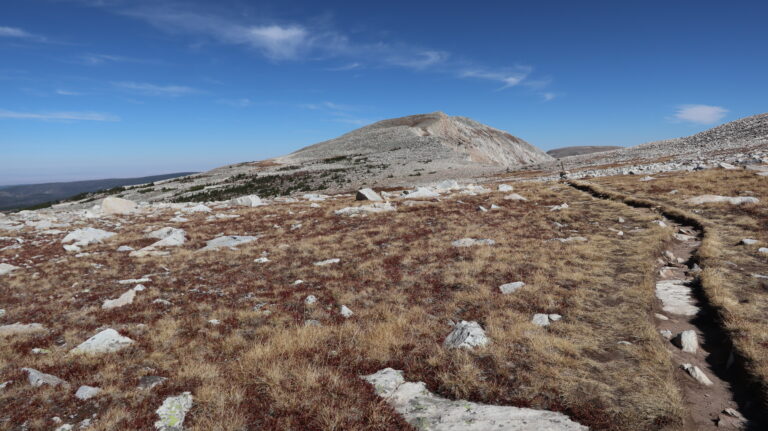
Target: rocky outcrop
(427, 411)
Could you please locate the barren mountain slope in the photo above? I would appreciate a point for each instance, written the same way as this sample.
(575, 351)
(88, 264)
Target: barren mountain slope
(417, 149)
(453, 138)
(735, 136)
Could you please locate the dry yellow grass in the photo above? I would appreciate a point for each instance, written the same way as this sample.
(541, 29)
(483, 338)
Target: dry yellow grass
(262, 368)
(728, 280)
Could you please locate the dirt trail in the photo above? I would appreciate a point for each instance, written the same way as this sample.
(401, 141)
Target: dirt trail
(726, 402)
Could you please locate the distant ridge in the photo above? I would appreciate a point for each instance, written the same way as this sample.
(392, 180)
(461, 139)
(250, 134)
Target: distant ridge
(27, 195)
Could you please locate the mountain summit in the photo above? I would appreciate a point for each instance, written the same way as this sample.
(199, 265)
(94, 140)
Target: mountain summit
(440, 136)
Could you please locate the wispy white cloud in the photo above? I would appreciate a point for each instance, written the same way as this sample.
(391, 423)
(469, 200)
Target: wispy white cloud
(59, 116)
(345, 67)
(148, 89)
(310, 41)
(237, 103)
(699, 114)
(61, 92)
(508, 79)
(97, 59)
(17, 33)
(548, 96)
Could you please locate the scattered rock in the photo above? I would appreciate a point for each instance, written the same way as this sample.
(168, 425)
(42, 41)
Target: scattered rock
(540, 319)
(366, 209)
(261, 260)
(106, 341)
(748, 241)
(173, 411)
(505, 188)
(570, 239)
(427, 411)
(661, 316)
(124, 299)
(346, 312)
(666, 333)
(83, 237)
(469, 242)
(311, 299)
(367, 195)
(647, 178)
(621, 220)
(327, 262)
(731, 418)
(687, 340)
(707, 199)
(420, 193)
(559, 207)
(508, 288)
(247, 201)
(697, 374)
(37, 378)
(124, 248)
(763, 250)
(40, 351)
(6, 268)
(514, 197)
(198, 209)
(230, 242)
(113, 205)
(86, 392)
(466, 335)
(21, 329)
(726, 166)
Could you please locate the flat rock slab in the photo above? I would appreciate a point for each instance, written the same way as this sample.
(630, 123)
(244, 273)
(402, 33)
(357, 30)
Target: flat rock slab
(713, 199)
(366, 209)
(106, 341)
(427, 411)
(367, 195)
(675, 296)
(37, 378)
(469, 242)
(112, 205)
(6, 268)
(173, 411)
(247, 201)
(227, 242)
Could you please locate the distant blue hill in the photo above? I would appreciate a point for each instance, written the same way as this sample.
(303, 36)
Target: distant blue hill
(30, 195)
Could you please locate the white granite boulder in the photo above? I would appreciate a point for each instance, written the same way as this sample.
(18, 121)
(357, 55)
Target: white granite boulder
(112, 205)
(106, 341)
(173, 411)
(368, 195)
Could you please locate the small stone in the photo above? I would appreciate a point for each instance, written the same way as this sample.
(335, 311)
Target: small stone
(505, 188)
(40, 351)
(327, 262)
(514, 197)
(106, 341)
(311, 299)
(37, 378)
(748, 241)
(346, 312)
(124, 299)
(621, 220)
(215, 322)
(697, 374)
(86, 392)
(540, 319)
(763, 250)
(261, 260)
(625, 343)
(6, 268)
(469, 242)
(666, 333)
(466, 335)
(687, 340)
(508, 288)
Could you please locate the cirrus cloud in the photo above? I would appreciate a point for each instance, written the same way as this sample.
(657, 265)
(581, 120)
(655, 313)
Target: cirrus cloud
(59, 116)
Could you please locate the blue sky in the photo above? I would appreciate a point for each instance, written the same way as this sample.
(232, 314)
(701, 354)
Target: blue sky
(118, 88)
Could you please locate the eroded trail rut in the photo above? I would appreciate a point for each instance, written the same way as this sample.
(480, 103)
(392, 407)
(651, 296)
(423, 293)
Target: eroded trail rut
(708, 378)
